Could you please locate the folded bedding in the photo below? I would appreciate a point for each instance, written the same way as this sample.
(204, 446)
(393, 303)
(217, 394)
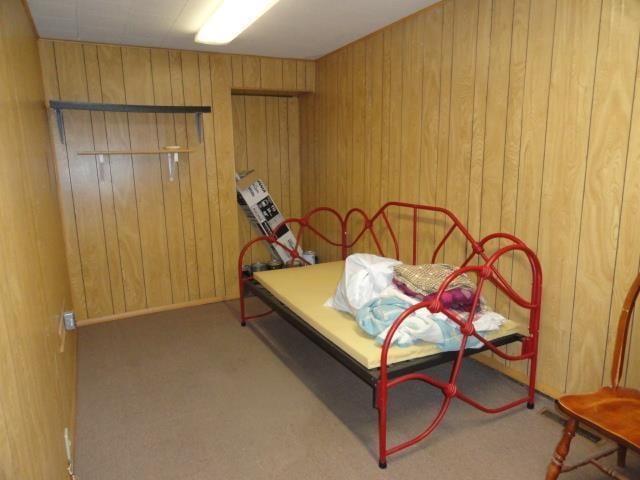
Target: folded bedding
(456, 298)
(426, 279)
(376, 291)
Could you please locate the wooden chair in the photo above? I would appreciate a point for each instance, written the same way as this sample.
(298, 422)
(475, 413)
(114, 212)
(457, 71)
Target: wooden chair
(613, 411)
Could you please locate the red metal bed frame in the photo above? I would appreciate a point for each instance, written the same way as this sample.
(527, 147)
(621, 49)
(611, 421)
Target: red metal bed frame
(386, 377)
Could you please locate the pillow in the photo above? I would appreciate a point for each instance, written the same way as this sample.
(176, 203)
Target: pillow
(426, 279)
(365, 277)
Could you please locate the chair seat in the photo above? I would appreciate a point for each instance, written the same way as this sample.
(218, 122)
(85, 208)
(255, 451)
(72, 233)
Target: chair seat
(613, 411)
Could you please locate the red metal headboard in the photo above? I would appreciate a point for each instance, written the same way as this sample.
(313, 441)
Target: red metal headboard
(485, 268)
(369, 225)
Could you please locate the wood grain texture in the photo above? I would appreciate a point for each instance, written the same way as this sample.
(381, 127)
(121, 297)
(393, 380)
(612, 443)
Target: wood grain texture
(628, 255)
(198, 172)
(604, 183)
(309, 76)
(213, 173)
(289, 75)
(83, 175)
(519, 115)
(92, 69)
(136, 239)
(394, 126)
(121, 169)
(373, 119)
(38, 381)
(411, 119)
(47, 56)
(479, 132)
(223, 134)
(293, 173)
(271, 74)
(237, 80)
(251, 72)
(301, 74)
(266, 139)
(512, 144)
(478, 135)
(147, 176)
(461, 119)
(360, 166)
(570, 108)
(186, 200)
(161, 72)
(446, 80)
(533, 138)
(496, 113)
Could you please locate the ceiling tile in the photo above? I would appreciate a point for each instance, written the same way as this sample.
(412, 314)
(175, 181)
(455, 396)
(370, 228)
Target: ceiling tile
(102, 30)
(166, 8)
(100, 10)
(292, 28)
(58, 27)
(53, 9)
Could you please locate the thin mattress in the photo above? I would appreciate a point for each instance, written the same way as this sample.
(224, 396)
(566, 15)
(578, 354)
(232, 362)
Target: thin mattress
(304, 290)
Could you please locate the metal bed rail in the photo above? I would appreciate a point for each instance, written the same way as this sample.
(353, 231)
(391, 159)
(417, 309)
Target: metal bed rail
(485, 270)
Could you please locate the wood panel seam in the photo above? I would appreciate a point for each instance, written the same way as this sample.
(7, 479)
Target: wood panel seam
(584, 183)
(162, 183)
(624, 190)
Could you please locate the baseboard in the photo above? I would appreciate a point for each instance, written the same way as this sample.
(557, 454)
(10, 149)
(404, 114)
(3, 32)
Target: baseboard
(518, 376)
(147, 311)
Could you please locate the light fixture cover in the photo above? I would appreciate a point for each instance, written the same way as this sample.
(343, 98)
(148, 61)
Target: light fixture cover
(230, 19)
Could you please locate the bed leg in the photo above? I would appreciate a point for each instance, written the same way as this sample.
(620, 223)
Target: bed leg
(243, 322)
(381, 404)
(533, 366)
(381, 463)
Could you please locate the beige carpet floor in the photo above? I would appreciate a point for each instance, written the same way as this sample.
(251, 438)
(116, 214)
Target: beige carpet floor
(191, 395)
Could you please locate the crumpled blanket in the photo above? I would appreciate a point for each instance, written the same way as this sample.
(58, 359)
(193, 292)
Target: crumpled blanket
(456, 298)
(376, 317)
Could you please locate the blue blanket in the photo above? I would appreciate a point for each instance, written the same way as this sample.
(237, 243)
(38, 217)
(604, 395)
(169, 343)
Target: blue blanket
(376, 316)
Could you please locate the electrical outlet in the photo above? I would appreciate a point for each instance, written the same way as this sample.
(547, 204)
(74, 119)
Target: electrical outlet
(69, 320)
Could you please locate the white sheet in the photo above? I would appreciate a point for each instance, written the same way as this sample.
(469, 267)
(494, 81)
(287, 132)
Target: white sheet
(365, 277)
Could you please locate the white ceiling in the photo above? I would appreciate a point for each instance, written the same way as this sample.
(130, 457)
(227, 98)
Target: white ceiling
(292, 28)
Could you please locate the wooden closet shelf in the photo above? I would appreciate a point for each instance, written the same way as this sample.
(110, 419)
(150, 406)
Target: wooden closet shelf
(137, 152)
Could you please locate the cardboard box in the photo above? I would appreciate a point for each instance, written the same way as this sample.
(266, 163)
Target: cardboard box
(263, 213)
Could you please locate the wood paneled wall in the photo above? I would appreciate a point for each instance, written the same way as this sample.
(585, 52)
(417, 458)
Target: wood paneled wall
(276, 75)
(520, 116)
(37, 362)
(267, 139)
(137, 241)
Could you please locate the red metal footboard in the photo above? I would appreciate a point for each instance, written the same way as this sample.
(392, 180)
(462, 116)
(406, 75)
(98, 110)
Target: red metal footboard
(477, 262)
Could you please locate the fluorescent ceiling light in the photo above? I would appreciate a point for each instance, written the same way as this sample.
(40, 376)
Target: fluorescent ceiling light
(230, 19)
